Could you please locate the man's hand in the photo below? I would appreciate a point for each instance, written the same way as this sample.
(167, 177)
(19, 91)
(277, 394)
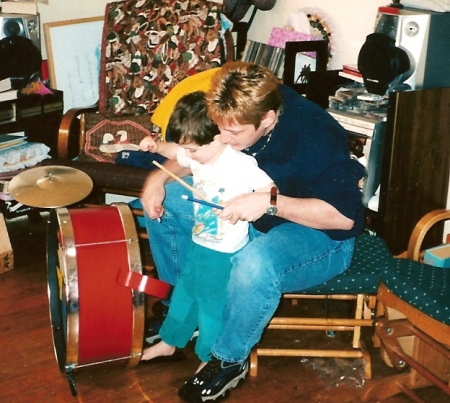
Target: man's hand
(246, 207)
(153, 195)
(154, 192)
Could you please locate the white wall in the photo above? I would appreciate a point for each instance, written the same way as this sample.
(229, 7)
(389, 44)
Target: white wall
(352, 20)
(62, 10)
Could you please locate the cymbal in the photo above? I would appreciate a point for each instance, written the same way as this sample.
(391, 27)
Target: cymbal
(50, 186)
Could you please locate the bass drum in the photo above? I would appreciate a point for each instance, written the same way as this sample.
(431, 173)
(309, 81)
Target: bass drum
(94, 319)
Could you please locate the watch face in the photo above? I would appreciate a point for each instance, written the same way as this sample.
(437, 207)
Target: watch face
(271, 210)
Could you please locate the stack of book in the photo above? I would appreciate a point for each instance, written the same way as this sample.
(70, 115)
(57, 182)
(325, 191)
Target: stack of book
(11, 140)
(16, 155)
(7, 90)
(19, 154)
(351, 72)
(8, 141)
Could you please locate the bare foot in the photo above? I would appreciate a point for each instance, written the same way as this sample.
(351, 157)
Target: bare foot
(200, 367)
(158, 350)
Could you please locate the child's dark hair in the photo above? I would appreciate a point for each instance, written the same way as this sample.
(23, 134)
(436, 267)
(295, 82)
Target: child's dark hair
(189, 122)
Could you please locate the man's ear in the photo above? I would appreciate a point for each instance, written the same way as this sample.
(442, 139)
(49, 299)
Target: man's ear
(269, 119)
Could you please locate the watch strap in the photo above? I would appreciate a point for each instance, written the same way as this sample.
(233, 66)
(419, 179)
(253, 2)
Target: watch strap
(273, 196)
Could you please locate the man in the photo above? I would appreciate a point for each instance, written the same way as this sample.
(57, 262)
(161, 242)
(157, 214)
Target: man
(301, 236)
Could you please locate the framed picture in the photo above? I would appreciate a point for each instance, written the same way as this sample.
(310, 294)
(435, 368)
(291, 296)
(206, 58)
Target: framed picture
(301, 58)
(73, 54)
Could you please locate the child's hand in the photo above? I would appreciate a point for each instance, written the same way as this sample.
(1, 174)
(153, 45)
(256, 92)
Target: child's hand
(148, 144)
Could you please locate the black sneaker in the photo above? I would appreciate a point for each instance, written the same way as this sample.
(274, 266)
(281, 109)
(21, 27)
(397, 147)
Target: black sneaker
(214, 381)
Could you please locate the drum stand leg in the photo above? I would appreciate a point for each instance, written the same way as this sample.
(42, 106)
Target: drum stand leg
(71, 378)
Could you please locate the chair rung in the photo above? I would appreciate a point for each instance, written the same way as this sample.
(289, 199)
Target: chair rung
(276, 352)
(148, 268)
(142, 235)
(312, 327)
(137, 212)
(343, 297)
(320, 322)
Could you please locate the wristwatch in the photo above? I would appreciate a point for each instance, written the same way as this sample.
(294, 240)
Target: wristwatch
(272, 209)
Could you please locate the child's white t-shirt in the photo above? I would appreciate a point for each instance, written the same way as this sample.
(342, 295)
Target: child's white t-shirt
(232, 174)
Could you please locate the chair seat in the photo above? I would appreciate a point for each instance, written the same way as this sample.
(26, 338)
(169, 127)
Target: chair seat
(363, 276)
(425, 287)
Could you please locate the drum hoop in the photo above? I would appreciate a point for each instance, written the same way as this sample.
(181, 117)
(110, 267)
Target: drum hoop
(69, 271)
(138, 297)
(55, 293)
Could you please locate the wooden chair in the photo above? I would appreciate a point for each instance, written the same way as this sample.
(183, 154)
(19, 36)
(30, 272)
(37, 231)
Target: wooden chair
(413, 321)
(359, 284)
(141, 63)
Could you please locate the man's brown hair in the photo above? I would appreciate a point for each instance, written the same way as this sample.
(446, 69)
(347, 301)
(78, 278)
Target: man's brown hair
(243, 93)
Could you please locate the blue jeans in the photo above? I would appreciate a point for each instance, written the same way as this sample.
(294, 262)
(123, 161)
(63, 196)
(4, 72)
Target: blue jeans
(170, 238)
(290, 257)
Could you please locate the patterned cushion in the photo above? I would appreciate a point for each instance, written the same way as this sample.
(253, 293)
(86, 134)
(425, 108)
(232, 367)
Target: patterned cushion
(425, 287)
(363, 276)
(107, 136)
(149, 46)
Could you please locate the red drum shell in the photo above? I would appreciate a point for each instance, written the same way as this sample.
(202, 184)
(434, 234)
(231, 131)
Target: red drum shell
(102, 320)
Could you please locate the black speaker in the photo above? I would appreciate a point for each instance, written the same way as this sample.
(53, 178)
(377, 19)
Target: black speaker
(24, 25)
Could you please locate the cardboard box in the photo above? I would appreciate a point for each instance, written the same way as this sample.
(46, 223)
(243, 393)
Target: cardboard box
(6, 252)
(438, 256)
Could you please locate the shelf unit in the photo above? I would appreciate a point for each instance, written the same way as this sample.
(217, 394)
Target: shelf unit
(416, 164)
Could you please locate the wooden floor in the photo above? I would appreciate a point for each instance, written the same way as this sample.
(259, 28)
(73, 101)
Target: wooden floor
(29, 371)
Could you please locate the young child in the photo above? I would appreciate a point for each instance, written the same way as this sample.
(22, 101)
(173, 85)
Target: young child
(220, 173)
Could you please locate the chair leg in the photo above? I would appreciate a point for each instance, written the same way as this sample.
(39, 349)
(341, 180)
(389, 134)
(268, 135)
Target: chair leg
(379, 311)
(427, 353)
(386, 388)
(367, 359)
(364, 307)
(358, 315)
(254, 362)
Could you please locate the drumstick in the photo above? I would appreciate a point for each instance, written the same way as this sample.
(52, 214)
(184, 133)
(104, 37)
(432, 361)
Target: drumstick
(204, 202)
(178, 179)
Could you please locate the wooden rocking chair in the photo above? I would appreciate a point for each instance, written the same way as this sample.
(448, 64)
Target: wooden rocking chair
(414, 321)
